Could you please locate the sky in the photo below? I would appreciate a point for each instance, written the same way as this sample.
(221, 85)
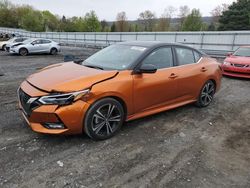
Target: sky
(108, 9)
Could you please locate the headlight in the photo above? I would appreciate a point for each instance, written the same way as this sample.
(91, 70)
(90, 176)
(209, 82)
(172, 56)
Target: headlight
(63, 99)
(226, 63)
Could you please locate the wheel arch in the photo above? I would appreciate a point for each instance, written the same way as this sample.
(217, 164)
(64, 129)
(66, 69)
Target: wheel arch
(215, 84)
(23, 48)
(118, 98)
(3, 46)
(122, 102)
(53, 48)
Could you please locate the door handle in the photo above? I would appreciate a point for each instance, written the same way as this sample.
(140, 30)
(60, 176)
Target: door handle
(173, 75)
(203, 69)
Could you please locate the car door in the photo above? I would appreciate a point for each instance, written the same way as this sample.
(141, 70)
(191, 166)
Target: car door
(157, 89)
(35, 46)
(190, 72)
(45, 46)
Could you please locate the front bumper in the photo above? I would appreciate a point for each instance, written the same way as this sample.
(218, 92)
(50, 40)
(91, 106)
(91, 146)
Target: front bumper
(71, 116)
(13, 51)
(241, 72)
(7, 48)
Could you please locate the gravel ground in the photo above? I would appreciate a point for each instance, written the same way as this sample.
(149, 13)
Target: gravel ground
(185, 147)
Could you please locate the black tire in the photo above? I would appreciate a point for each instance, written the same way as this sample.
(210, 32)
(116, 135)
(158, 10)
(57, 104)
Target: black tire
(23, 52)
(3, 47)
(104, 119)
(53, 51)
(206, 94)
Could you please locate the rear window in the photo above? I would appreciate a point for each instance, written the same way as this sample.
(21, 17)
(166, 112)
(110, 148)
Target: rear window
(19, 40)
(197, 56)
(46, 41)
(185, 56)
(161, 58)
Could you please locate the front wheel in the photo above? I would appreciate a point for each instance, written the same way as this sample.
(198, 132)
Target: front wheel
(206, 94)
(23, 52)
(104, 119)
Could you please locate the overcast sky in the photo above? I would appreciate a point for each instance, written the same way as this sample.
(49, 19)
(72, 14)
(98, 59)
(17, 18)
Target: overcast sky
(107, 9)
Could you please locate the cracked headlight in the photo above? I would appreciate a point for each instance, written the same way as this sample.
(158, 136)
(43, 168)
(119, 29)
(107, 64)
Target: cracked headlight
(63, 99)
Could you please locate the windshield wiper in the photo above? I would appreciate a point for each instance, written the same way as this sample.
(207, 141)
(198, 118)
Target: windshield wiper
(93, 66)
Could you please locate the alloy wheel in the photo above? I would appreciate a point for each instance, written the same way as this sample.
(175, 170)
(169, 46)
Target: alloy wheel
(207, 93)
(106, 120)
(23, 52)
(53, 51)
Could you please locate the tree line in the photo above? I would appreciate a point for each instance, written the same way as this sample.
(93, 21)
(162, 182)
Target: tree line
(224, 17)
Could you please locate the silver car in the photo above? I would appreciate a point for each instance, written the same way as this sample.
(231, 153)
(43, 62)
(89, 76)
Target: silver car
(31, 46)
(12, 42)
(4, 44)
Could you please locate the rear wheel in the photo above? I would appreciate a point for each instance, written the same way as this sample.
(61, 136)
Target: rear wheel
(23, 52)
(53, 51)
(104, 119)
(206, 94)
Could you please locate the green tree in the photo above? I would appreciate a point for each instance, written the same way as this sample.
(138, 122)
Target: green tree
(113, 27)
(184, 11)
(105, 26)
(7, 16)
(92, 23)
(51, 22)
(237, 17)
(193, 22)
(30, 19)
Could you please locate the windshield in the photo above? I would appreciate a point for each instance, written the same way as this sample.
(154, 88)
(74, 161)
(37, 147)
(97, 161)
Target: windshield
(245, 52)
(28, 41)
(115, 57)
(11, 40)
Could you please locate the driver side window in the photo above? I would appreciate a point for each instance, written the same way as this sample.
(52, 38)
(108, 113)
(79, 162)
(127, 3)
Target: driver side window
(36, 42)
(161, 58)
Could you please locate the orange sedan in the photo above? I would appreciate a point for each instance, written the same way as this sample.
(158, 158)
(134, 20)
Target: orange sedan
(120, 83)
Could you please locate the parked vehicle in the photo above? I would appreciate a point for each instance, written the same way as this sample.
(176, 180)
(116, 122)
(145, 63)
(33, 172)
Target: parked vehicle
(12, 42)
(237, 64)
(32, 46)
(4, 37)
(120, 83)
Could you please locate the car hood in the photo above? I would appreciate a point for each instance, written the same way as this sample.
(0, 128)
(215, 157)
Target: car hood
(238, 60)
(68, 77)
(3, 42)
(14, 44)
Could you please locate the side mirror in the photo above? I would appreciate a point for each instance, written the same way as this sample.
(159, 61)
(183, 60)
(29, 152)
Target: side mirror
(147, 68)
(70, 58)
(33, 43)
(229, 54)
(78, 61)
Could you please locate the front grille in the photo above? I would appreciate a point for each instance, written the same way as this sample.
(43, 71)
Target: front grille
(27, 102)
(235, 72)
(240, 65)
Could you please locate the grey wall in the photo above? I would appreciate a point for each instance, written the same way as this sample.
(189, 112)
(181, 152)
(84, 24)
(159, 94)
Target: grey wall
(207, 41)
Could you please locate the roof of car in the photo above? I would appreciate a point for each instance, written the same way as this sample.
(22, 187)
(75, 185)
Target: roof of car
(148, 44)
